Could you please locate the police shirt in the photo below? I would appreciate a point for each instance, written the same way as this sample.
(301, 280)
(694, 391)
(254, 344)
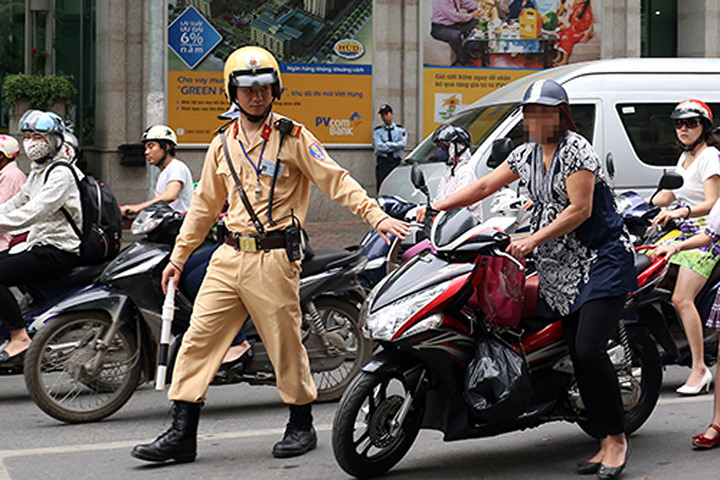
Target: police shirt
(303, 160)
(389, 140)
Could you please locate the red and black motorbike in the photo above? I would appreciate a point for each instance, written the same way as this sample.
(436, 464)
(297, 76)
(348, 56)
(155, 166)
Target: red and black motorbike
(426, 318)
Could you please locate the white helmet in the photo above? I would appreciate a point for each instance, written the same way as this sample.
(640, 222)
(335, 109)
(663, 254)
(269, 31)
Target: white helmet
(9, 146)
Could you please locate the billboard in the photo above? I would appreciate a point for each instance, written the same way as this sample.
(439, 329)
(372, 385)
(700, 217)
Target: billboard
(472, 48)
(325, 55)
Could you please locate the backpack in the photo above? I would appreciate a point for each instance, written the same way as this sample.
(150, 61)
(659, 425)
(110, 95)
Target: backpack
(101, 219)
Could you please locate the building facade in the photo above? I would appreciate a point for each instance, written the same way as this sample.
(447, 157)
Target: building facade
(123, 67)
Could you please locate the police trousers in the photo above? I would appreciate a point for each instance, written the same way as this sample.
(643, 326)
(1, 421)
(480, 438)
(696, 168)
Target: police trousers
(263, 285)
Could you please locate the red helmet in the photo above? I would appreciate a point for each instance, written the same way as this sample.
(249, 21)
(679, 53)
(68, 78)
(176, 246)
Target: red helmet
(692, 108)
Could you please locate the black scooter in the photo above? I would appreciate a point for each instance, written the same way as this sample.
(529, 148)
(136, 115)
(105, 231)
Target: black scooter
(93, 349)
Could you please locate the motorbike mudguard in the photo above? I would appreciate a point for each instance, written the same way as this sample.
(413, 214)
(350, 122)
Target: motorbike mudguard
(100, 298)
(652, 316)
(389, 361)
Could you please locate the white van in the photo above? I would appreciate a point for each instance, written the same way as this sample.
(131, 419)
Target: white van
(622, 106)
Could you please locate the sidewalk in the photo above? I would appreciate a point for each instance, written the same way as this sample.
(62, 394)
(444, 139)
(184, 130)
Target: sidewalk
(335, 235)
(323, 235)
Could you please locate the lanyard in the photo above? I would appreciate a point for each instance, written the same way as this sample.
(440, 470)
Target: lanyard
(255, 167)
(259, 165)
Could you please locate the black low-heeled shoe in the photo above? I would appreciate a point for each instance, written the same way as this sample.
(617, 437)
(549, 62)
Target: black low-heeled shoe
(608, 473)
(587, 468)
(228, 371)
(7, 361)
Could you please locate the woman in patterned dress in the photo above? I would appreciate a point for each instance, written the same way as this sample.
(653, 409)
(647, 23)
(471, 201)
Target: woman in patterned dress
(711, 437)
(583, 253)
(699, 166)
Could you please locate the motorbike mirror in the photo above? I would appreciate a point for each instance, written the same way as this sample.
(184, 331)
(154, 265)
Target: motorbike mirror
(669, 181)
(418, 180)
(501, 148)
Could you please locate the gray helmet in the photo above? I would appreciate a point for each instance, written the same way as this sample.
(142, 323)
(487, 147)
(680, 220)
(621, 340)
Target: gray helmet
(48, 124)
(545, 92)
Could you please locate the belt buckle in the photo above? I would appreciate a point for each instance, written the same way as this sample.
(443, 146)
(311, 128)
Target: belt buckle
(247, 244)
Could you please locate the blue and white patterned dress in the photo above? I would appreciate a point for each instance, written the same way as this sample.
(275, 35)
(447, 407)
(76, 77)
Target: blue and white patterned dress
(596, 260)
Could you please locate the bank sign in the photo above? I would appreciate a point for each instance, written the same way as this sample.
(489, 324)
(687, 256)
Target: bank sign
(192, 37)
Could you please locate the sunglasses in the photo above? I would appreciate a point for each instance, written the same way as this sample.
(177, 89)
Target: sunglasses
(688, 122)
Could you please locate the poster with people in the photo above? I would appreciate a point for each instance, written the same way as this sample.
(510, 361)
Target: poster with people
(325, 55)
(472, 47)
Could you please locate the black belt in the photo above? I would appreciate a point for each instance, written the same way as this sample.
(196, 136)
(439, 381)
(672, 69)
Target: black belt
(253, 243)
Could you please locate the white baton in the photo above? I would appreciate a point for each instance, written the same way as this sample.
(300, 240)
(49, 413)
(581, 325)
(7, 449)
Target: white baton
(168, 312)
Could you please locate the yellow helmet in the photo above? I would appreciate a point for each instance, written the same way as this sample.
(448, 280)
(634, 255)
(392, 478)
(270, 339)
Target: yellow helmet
(159, 132)
(251, 67)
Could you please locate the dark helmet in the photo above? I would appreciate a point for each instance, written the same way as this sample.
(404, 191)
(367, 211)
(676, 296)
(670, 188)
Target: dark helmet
(692, 108)
(452, 134)
(545, 92)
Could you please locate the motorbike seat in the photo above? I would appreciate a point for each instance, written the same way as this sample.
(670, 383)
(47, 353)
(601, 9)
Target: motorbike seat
(327, 259)
(642, 262)
(530, 296)
(83, 274)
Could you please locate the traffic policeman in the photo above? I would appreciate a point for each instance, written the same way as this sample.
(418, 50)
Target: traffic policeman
(389, 140)
(264, 164)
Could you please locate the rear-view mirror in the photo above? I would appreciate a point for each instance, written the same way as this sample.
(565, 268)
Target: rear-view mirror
(500, 150)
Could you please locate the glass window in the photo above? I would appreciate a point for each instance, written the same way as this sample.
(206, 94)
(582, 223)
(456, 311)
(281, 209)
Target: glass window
(75, 56)
(481, 122)
(651, 132)
(12, 46)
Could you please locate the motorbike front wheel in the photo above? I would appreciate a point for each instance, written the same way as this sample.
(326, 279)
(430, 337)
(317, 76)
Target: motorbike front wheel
(362, 437)
(60, 373)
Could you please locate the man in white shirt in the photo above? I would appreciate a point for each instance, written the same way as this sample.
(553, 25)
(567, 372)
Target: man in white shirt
(175, 184)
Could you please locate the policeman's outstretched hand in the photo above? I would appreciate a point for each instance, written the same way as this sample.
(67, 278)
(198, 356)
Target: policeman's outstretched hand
(393, 226)
(171, 270)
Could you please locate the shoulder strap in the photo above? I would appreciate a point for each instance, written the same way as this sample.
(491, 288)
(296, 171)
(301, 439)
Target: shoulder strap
(65, 213)
(253, 216)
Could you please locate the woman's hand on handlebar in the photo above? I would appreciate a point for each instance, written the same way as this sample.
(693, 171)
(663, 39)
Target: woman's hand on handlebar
(521, 248)
(664, 251)
(665, 216)
(170, 270)
(423, 212)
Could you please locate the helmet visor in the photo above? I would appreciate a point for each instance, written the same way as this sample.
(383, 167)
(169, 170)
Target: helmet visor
(254, 78)
(36, 121)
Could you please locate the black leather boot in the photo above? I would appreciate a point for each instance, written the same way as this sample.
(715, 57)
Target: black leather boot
(299, 436)
(179, 442)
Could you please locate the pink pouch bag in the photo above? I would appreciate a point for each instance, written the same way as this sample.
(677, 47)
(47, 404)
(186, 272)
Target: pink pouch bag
(499, 294)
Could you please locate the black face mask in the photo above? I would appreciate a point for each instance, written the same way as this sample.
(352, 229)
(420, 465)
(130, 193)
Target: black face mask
(443, 155)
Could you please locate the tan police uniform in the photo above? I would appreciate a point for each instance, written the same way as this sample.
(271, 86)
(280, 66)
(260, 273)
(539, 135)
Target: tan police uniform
(263, 284)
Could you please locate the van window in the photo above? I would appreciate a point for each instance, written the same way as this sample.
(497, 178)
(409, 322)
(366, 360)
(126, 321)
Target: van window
(651, 132)
(480, 122)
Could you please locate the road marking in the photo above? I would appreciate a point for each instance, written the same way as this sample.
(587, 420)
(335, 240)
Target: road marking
(28, 452)
(673, 401)
(4, 474)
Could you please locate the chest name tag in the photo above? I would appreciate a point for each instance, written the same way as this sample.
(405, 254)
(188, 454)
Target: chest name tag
(268, 168)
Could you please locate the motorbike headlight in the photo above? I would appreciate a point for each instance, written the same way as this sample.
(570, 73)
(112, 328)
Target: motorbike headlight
(385, 322)
(145, 222)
